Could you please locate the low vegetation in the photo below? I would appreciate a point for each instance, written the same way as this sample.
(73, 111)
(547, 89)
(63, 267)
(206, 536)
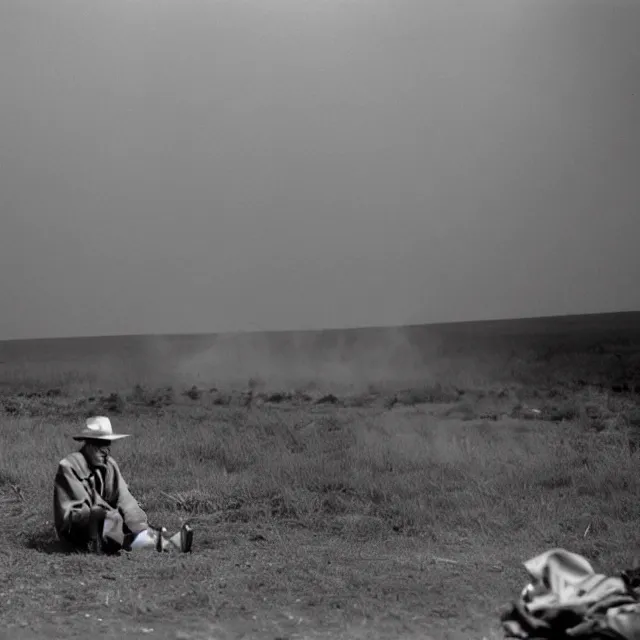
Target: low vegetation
(398, 511)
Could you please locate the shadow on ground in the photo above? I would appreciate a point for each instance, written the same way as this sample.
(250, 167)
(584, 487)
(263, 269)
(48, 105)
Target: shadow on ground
(47, 542)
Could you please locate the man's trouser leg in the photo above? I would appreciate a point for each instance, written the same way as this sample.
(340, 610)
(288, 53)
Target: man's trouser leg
(96, 525)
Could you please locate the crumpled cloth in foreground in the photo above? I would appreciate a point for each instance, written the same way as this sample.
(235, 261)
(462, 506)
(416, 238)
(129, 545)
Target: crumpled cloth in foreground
(568, 599)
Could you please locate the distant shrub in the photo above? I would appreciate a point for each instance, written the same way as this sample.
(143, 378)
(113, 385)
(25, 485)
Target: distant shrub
(221, 399)
(390, 402)
(427, 395)
(138, 394)
(278, 397)
(194, 393)
(561, 413)
(328, 398)
(12, 406)
(114, 403)
(162, 397)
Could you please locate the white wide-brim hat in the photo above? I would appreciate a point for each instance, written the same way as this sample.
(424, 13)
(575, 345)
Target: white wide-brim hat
(99, 428)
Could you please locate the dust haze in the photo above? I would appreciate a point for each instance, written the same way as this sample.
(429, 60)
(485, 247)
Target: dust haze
(341, 361)
(599, 347)
(330, 360)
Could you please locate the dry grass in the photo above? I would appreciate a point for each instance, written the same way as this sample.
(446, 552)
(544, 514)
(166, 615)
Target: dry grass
(404, 513)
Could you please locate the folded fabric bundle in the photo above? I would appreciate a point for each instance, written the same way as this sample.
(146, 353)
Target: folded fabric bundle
(568, 599)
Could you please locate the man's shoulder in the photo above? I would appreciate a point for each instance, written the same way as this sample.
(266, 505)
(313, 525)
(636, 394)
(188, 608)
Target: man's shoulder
(113, 469)
(71, 460)
(75, 462)
(112, 463)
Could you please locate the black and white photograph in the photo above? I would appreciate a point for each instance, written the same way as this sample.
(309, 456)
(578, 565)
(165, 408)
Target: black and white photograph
(320, 319)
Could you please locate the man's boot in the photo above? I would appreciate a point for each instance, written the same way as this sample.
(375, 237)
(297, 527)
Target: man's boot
(183, 540)
(160, 539)
(186, 538)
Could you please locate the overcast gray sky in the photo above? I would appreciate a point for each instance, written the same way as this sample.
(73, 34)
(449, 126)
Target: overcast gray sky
(213, 165)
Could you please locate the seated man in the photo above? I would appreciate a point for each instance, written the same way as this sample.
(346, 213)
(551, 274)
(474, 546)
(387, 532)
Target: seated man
(93, 507)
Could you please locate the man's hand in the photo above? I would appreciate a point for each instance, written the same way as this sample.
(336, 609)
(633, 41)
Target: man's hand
(105, 524)
(112, 519)
(98, 511)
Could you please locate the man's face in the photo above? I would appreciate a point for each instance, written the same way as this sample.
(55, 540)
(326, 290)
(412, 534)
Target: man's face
(96, 452)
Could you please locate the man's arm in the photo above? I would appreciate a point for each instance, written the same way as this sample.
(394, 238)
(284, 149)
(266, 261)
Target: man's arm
(71, 502)
(134, 517)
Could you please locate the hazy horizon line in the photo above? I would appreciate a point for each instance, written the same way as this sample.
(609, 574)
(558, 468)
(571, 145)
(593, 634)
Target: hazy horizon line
(248, 332)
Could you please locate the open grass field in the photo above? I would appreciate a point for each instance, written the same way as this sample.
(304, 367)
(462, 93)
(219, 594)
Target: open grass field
(391, 492)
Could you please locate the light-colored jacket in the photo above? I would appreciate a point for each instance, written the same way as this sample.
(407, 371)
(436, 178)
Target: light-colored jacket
(78, 488)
